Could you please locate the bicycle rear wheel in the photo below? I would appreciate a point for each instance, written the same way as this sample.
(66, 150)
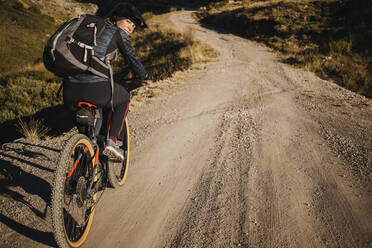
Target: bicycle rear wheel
(72, 206)
(117, 170)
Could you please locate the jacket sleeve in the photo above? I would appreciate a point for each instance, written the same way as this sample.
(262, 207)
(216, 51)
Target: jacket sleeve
(131, 58)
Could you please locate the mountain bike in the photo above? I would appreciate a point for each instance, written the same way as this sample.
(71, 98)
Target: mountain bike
(82, 175)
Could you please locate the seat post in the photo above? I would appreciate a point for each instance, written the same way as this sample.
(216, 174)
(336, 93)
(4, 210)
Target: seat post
(89, 118)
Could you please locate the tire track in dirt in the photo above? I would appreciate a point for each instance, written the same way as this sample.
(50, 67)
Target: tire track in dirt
(217, 211)
(290, 162)
(233, 158)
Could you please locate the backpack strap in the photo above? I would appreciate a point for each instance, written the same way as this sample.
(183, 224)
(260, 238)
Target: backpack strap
(108, 59)
(111, 81)
(93, 25)
(85, 47)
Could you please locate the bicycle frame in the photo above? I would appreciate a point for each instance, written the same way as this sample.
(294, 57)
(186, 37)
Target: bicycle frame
(82, 172)
(92, 132)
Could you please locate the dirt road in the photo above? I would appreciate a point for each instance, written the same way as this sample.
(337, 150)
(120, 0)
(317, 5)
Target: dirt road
(245, 152)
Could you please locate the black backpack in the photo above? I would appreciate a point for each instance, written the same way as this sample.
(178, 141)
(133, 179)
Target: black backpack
(70, 51)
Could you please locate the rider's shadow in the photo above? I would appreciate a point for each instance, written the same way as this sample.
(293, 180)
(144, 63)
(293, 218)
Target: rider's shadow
(18, 186)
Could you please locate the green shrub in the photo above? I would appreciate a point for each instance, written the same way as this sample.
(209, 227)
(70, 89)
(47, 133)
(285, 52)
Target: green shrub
(45, 76)
(24, 96)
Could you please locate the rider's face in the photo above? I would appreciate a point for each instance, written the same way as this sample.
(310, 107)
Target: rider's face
(127, 25)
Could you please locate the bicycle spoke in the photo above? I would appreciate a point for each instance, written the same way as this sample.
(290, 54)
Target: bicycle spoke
(71, 234)
(68, 222)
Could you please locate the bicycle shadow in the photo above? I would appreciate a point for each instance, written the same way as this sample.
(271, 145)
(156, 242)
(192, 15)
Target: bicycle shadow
(58, 119)
(20, 208)
(45, 238)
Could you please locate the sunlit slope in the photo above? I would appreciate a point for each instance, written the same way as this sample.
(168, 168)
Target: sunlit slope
(330, 37)
(23, 32)
(27, 88)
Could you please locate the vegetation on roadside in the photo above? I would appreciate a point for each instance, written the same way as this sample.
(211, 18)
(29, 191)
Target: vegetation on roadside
(34, 129)
(23, 96)
(163, 52)
(330, 37)
(23, 31)
(27, 89)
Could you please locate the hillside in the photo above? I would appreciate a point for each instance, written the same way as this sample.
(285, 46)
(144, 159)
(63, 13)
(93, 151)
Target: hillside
(329, 37)
(29, 30)
(244, 152)
(27, 89)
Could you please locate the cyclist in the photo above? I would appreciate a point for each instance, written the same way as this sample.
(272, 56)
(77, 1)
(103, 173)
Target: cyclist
(97, 90)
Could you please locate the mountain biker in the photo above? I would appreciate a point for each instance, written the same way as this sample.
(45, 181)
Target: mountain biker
(86, 87)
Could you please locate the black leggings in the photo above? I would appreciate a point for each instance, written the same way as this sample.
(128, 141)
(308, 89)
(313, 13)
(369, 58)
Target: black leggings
(100, 94)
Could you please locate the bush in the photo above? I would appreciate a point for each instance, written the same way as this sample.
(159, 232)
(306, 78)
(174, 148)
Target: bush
(23, 97)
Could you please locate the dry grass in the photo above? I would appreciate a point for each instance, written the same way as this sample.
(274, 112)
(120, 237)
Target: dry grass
(188, 36)
(29, 89)
(24, 44)
(329, 37)
(61, 10)
(164, 51)
(33, 129)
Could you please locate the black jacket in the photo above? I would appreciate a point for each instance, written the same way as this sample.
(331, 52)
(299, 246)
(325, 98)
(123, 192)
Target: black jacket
(112, 41)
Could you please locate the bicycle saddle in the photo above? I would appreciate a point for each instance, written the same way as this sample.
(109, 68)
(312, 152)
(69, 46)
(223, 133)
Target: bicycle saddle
(86, 118)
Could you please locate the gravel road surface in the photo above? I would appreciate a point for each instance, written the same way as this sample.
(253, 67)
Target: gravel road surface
(243, 152)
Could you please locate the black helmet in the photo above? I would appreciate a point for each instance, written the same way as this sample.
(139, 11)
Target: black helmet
(127, 10)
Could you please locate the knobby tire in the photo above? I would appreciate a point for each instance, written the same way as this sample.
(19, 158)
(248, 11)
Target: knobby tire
(75, 235)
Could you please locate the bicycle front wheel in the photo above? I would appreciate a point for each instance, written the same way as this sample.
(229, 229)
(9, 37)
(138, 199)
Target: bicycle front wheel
(117, 170)
(72, 205)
